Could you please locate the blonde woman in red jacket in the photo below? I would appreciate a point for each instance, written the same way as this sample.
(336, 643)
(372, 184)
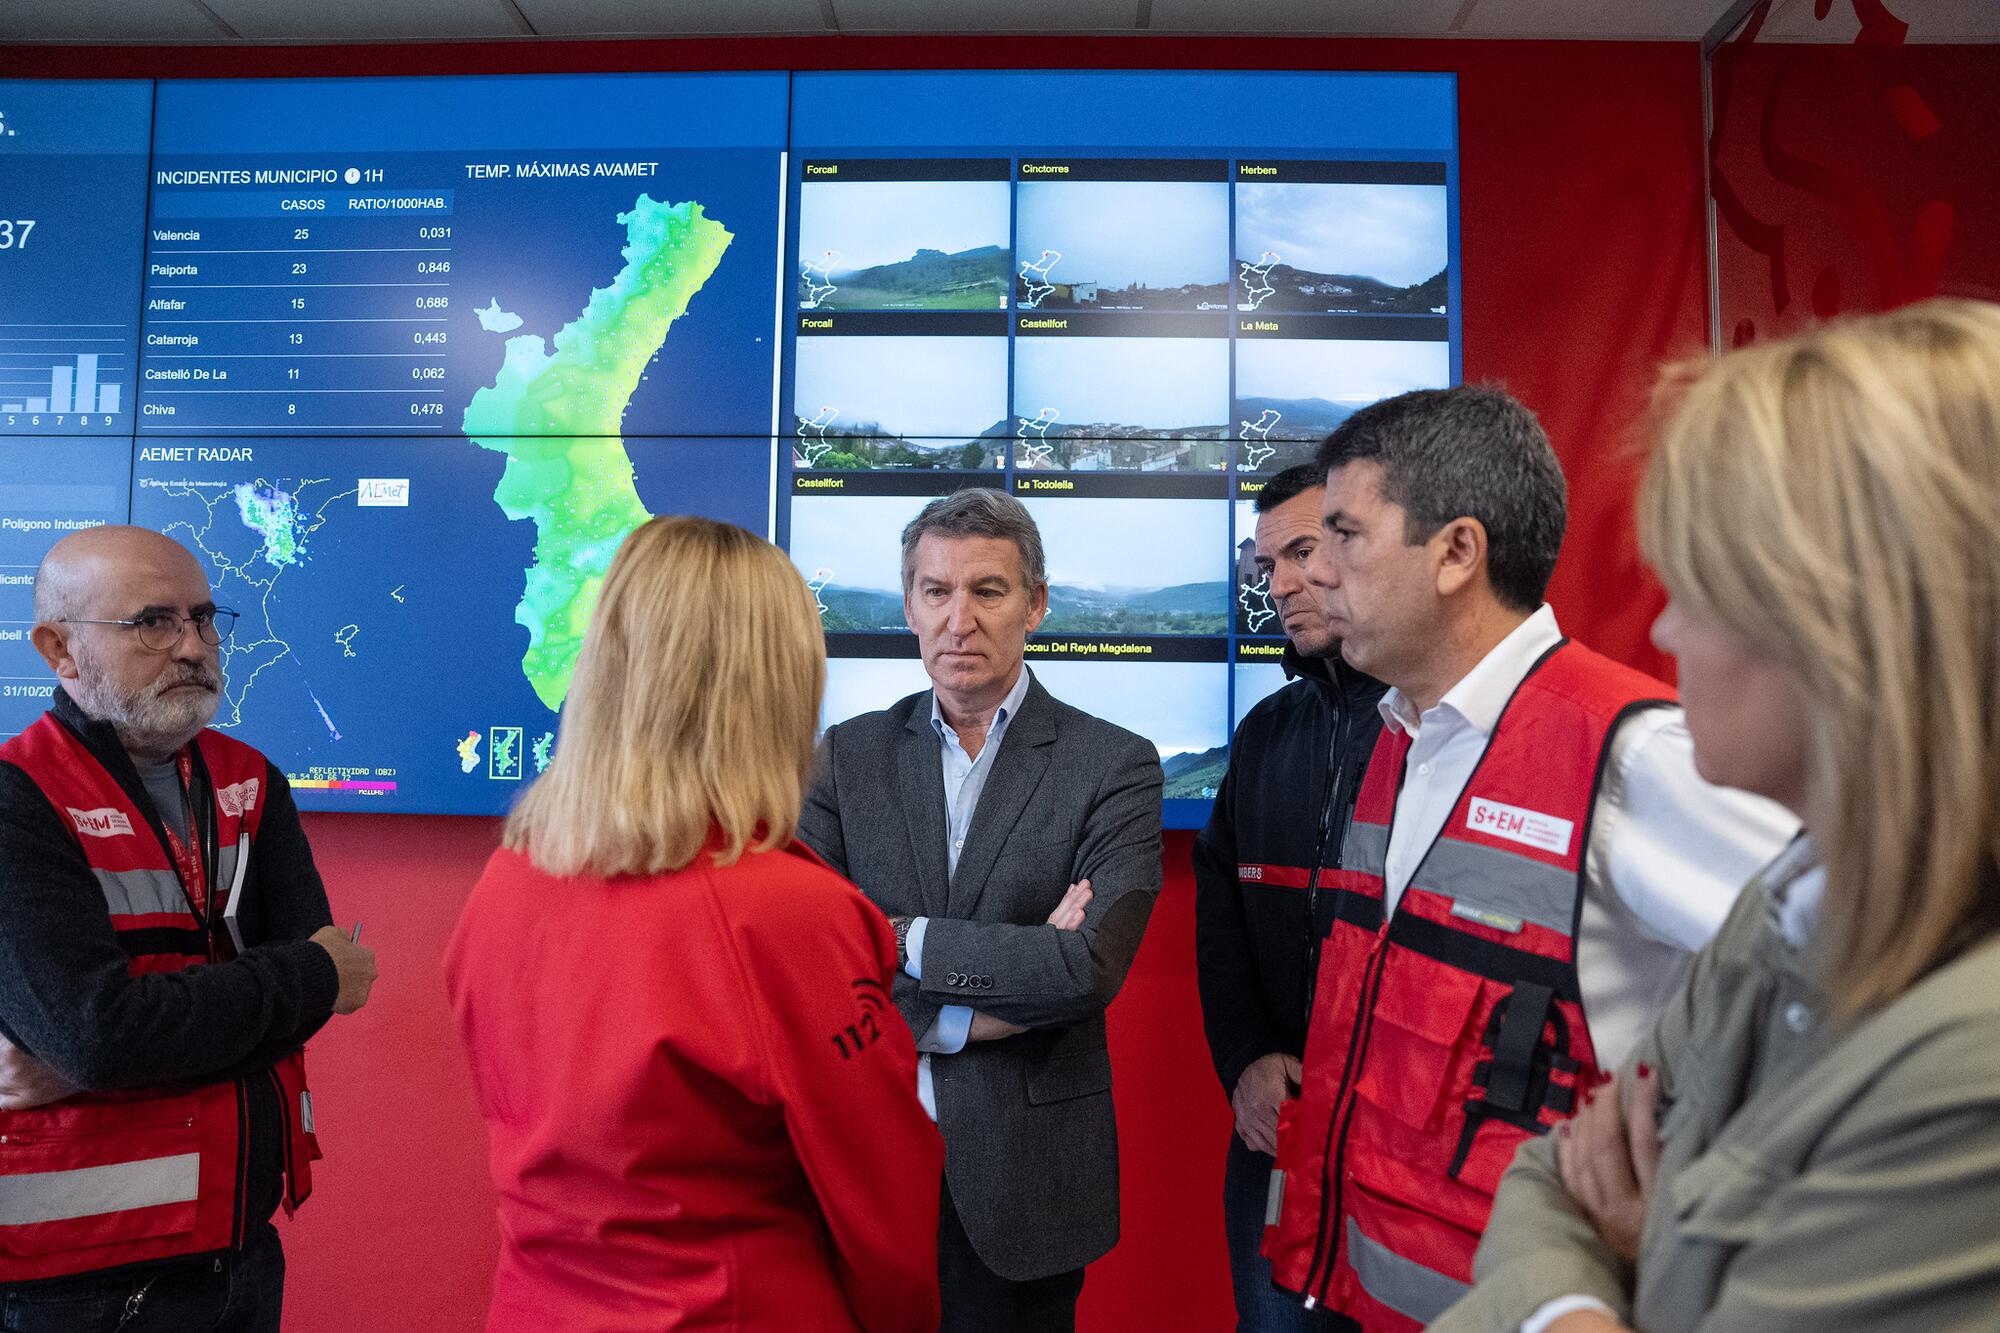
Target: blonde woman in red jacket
(702, 1105)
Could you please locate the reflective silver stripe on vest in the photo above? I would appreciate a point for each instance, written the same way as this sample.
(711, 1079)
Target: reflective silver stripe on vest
(58, 1196)
(1500, 882)
(225, 871)
(1366, 849)
(140, 892)
(1404, 1285)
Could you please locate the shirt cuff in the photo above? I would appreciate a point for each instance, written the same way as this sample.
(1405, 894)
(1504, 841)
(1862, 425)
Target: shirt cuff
(1539, 1321)
(953, 1026)
(913, 948)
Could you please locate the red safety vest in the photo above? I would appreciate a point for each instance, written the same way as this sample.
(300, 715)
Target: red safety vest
(1447, 1034)
(106, 1179)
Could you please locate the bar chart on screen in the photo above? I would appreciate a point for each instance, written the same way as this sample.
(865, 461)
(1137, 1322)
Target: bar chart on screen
(72, 229)
(54, 376)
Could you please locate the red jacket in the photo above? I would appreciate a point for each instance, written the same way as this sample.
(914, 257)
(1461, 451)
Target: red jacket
(702, 1105)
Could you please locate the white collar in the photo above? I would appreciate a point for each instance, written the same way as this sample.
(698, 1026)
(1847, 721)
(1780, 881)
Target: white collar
(1008, 706)
(1793, 885)
(1481, 695)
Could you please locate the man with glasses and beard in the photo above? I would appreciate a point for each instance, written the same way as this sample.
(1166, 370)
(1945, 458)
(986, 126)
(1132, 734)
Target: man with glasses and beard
(165, 951)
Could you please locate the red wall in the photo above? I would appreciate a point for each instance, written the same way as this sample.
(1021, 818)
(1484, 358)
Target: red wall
(1583, 258)
(1852, 178)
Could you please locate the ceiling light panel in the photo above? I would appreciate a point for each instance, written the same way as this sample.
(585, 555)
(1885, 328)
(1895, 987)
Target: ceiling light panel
(671, 18)
(1412, 18)
(367, 20)
(987, 16)
(1654, 20)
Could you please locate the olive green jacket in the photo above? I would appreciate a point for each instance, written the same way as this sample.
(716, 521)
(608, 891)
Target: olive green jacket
(1812, 1179)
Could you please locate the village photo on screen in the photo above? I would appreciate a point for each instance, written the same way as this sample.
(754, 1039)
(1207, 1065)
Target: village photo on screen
(865, 402)
(1329, 248)
(904, 245)
(1076, 397)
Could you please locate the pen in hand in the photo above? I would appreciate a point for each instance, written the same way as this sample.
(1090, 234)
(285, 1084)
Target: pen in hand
(355, 937)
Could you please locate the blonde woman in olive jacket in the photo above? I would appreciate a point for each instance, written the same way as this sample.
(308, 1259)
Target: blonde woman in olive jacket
(1809, 1141)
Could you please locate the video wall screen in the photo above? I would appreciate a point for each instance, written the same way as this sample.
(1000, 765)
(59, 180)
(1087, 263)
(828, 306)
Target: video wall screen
(403, 360)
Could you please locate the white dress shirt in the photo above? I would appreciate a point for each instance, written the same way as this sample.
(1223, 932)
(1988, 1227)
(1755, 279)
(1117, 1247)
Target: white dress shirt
(1668, 852)
(964, 781)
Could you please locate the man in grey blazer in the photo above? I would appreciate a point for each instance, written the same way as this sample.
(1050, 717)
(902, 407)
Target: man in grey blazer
(1014, 842)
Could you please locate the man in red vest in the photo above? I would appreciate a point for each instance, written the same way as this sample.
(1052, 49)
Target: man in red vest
(165, 951)
(1531, 863)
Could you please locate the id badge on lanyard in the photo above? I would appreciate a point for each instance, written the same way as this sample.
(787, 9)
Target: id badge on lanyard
(187, 854)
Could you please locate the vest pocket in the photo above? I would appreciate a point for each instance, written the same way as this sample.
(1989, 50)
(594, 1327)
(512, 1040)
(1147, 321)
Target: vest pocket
(64, 1187)
(1421, 1017)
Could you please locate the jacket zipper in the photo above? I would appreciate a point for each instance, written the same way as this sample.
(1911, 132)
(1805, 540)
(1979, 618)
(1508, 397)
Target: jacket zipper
(1326, 808)
(291, 1186)
(239, 1225)
(1334, 1153)
(1334, 817)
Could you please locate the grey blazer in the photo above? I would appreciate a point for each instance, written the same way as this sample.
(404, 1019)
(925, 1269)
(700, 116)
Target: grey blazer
(1031, 1149)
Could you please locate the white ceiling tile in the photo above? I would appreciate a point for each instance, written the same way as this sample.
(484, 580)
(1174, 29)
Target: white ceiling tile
(1372, 18)
(106, 21)
(1669, 20)
(678, 18)
(986, 15)
(366, 20)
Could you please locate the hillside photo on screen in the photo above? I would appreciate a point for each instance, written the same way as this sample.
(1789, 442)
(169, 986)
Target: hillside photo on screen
(1344, 249)
(850, 550)
(867, 402)
(1134, 566)
(1171, 704)
(1124, 245)
(903, 245)
(1300, 389)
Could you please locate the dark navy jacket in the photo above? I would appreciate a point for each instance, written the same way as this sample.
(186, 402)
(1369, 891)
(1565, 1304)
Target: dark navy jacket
(1294, 769)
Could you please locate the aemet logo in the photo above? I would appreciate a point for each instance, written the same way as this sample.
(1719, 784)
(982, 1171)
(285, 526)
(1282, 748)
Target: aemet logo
(105, 823)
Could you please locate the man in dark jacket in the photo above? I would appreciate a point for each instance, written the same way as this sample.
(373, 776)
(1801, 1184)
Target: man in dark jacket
(1259, 914)
(165, 950)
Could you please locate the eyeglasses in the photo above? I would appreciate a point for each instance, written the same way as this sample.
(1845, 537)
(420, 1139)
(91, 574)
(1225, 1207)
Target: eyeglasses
(161, 630)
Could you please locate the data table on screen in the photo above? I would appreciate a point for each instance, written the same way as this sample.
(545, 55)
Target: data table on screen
(521, 256)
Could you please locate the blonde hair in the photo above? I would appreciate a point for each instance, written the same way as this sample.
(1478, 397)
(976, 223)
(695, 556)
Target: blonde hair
(1834, 500)
(692, 709)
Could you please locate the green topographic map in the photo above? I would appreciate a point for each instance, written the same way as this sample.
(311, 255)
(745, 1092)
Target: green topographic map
(558, 416)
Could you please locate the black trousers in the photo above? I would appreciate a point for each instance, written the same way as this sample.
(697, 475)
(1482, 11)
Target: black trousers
(979, 1300)
(240, 1293)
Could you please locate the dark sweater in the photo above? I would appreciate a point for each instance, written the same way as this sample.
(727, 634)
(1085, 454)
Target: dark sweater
(66, 996)
(1295, 766)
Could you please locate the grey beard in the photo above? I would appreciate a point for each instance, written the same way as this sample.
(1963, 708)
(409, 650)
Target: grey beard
(148, 722)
